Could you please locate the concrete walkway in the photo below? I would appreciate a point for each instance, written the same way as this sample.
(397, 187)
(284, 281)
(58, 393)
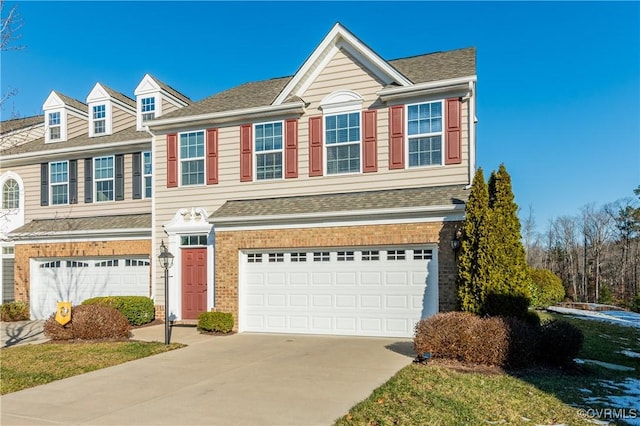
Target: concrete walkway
(243, 379)
(21, 332)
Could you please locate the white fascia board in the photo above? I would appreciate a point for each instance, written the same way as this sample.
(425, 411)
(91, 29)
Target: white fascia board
(221, 117)
(428, 88)
(330, 42)
(382, 215)
(101, 234)
(41, 155)
(337, 223)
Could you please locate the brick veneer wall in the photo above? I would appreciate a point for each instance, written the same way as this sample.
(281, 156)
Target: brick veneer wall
(25, 252)
(228, 243)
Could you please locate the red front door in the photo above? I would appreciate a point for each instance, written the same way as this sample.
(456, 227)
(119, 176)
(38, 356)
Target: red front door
(194, 282)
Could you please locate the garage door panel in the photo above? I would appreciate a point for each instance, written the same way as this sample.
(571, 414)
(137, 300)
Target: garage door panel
(369, 292)
(78, 279)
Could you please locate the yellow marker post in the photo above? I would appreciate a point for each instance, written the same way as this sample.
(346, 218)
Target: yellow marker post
(63, 313)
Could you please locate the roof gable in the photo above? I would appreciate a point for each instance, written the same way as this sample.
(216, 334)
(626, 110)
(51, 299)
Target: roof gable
(339, 38)
(58, 100)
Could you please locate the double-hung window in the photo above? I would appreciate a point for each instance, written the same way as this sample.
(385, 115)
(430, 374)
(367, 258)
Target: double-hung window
(268, 143)
(54, 126)
(424, 130)
(342, 139)
(192, 158)
(59, 182)
(104, 181)
(147, 174)
(99, 119)
(148, 108)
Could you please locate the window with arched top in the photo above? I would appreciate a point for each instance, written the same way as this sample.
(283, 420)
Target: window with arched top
(10, 194)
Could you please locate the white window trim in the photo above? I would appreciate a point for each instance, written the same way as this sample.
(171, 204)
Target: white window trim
(146, 175)
(96, 180)
(51, 184)
(107, 119)
(255, 153)
(62, 125)
(325, 146)
(424, 135)
(158, 107)
(203, 158)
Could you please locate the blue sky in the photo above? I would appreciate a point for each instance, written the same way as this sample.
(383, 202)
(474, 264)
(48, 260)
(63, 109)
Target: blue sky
(558, 83)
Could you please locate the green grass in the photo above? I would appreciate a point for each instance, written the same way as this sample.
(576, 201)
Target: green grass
(433, 394)
(26, 366)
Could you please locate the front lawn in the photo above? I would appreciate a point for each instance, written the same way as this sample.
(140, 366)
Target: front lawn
(26, 366)
(444, 394)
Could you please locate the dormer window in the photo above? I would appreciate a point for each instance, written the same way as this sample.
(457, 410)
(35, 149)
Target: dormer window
(54, 126)
(99, 119)
(148, 108)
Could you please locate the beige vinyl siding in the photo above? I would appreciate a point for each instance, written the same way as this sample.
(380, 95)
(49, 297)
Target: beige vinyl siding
(121, 119)
(30, 175)
(21, 136)
(167, 106)
(76, 126)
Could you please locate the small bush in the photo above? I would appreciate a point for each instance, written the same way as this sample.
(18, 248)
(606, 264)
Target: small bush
(89, 322)
(14, 311)
(217, 322)
(559, 342)
(546, 289)
(138, 310)
(505, 305)
(606, 295)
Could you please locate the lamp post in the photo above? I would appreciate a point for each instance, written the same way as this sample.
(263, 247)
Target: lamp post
(166, 261)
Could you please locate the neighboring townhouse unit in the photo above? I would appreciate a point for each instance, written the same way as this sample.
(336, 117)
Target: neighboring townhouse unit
(325, 202)
(82, 211)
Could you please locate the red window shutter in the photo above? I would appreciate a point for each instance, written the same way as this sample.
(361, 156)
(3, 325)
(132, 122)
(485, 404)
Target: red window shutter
(291, 148)
(315, 146)
(396, 137)
(246, 153)
(212, 156)
(370, 141)
(172, 160)
(453, 143)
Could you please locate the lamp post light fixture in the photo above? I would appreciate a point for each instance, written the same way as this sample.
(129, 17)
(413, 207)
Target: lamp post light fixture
(166, 261)
(455, 242)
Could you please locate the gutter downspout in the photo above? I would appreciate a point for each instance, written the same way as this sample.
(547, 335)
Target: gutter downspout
(153, 214)
(472, 132)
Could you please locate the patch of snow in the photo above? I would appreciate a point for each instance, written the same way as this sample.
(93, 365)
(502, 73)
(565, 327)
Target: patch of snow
(607, 365)
(628, 402)
(630, 354)
(585, 390)
(629, 319)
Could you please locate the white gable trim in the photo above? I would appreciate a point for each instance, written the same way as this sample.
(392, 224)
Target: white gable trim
(338, 38)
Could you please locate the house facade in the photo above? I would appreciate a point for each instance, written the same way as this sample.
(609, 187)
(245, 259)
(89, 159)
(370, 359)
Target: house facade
(325, 202)
(77, 197)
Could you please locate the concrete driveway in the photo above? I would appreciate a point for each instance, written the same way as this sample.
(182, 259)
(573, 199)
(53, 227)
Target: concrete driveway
(243, 379)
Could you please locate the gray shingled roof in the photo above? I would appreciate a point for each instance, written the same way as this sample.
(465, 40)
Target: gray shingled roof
(38, 145)
(248, 95)
(39, 227)
(119, 96)
(14, 124)
(438, 66)
(172, 91)
(72, 102)
(344, 202)
(418, 69)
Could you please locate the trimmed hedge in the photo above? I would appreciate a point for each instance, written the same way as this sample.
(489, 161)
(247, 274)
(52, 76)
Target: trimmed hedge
(89, 322)
(499, 341)
(215, 322)
(138, 310)
(546, 288)
(14, 311)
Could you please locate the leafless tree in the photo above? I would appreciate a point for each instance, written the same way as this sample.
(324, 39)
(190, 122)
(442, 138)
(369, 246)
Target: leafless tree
(10, 25)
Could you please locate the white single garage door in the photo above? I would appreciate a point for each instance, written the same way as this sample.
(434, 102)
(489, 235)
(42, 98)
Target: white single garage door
(376, 291)
(78, 279)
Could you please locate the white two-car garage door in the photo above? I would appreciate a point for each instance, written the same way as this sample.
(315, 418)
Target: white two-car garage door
(373, 291)
(79, 279)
